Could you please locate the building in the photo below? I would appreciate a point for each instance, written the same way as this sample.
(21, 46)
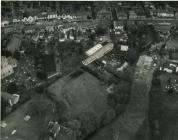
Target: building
(121, 15)
(29, 29)
(132, 15)
(124, 48)
(46, 62)
(4, 23)
(50, 28)
(163, 27)
(165, 14)
(171, 66)
(49, 62)
(12, 62)
(7, 65)
(98, 54)
(94, 49)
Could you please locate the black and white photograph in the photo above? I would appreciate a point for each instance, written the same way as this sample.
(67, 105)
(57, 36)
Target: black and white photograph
(89, 70)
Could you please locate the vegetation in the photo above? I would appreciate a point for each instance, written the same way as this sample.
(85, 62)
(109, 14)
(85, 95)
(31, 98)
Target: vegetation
(101, 29)
(108, 116)
(119, 99)
(39, 107)
(132, 56)
(12, 88)
(88, 123)
(42, 75)
(4, 104)
(16, 55)
(61, 109)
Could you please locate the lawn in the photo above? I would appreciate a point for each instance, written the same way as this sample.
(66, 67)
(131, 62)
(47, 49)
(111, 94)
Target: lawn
(81, 93)
(28, 130)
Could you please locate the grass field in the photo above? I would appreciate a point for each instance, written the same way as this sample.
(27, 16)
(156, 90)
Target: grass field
(164, 111)
(27, 130)
(83, 93)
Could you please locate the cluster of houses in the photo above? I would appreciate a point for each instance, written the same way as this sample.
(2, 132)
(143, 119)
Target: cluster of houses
(7, 65)
(43, 16)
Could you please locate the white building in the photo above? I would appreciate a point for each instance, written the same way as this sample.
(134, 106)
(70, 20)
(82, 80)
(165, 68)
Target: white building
(94, 49)
(124, 48)
(7, 65)
(98, 54)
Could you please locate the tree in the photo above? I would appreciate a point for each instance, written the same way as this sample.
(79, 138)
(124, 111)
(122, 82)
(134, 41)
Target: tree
(146, 11)
(159, 4)
(16, 55)
(40, 89)
(163, 51)
(174, 5)
(80, 48)
(156, 73)
(120, 98)
(170, 91)
(42, 75)
(6, 53)
(93, 12)
(132, 56)
(156, 82)
(101, 29)
(12, 88)
(114, 14)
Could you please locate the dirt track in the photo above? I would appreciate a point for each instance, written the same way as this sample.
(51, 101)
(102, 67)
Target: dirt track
(126, 126)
